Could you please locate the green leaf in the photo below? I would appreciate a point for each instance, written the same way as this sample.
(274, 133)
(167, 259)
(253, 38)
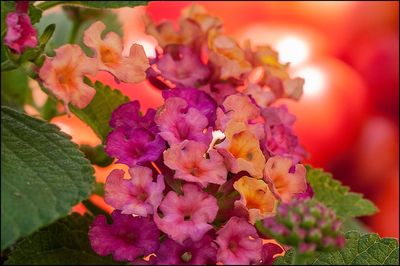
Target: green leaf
(96, 155)
(98, 113)
(6, 7)
(367, 249)
(353, 224)
(107, 4)
(34, 13)
(337, 197)
(43, 174)
(14, 89)
(64, 242)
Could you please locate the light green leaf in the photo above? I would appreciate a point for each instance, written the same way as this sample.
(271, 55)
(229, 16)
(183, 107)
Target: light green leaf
(367, 249)
(98, 113)
(64, 242)
(337, 197)
(43, 174)
(107, 4)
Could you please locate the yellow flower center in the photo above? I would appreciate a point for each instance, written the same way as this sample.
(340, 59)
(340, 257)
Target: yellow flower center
(109, 57)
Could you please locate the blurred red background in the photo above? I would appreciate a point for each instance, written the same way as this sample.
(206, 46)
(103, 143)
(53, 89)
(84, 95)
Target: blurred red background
(348, 54)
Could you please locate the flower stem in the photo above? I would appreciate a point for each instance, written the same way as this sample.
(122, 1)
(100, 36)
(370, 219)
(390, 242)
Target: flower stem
(74, 31)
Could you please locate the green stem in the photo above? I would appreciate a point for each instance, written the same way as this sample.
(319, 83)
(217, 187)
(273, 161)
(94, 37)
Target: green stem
(74, 31)
(7, 65)
(49, 4)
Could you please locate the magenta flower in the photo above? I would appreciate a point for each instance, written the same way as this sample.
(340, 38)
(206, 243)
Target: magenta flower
(182, 67)
(134, 139)
(188, 215)
(177, 122)
(126, 239)
(128, 116)
(196, 99)
(190, 164)
(238, 243)
(279, 136)
(136, 147)
(269, 252)
(20, 32)
(202, 252)
(138, 195)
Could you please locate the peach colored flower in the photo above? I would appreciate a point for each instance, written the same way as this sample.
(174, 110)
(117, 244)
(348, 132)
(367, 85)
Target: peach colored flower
(199, 14)
(256, 197)
(226, 54)
(63, 75)
(276, 75)
(241, 150)
(108, 52)
(287, 181)
(190, 164)
(239, 108)
(165, 33)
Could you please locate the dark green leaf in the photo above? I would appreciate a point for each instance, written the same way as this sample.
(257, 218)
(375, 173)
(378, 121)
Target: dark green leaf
(47, 33)
(367, 249)
(96, 155)
(98, 113)
(64, 242)
(14, 89)
(337, 197)
(34, 13)
(43, 174)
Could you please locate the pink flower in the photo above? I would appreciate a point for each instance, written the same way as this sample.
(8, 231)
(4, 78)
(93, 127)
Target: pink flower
(183, 68)
(239, 108)
(287, 181)
(238, 243)
(138, 195)
(219, 91)
(63, 75)
(108, 52)
(188, 215)
(279, 136)
(190, 164)
(177, 122)
(20, 32)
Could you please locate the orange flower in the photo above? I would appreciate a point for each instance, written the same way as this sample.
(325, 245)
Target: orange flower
(256, 197)
(286, 181)
(108, 52)
(241, 150)
(63, 75)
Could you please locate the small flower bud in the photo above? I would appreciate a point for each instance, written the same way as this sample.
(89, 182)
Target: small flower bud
(306, 225)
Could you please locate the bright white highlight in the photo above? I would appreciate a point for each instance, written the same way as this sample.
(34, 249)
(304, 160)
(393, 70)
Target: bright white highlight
(314, 81)
(293, 50)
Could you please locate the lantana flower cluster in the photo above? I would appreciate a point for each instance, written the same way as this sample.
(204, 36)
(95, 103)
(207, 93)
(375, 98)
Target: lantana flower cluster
(215, 158)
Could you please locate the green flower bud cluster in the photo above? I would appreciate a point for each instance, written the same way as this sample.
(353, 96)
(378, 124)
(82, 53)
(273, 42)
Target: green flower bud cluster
(306, 225)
